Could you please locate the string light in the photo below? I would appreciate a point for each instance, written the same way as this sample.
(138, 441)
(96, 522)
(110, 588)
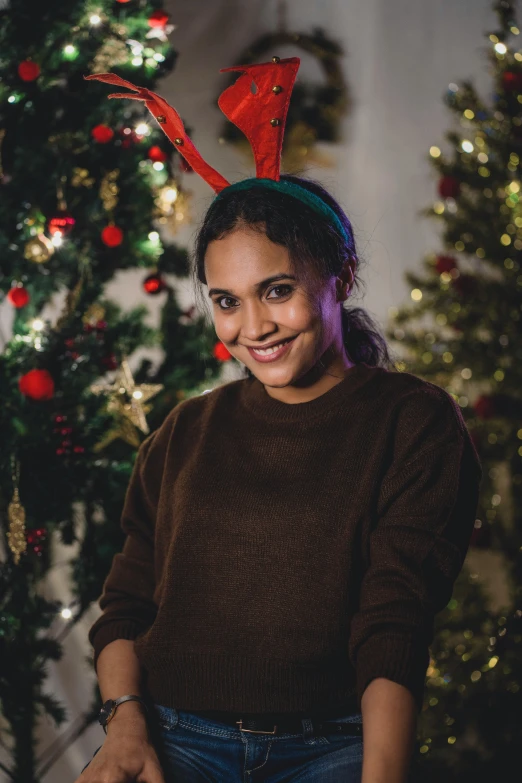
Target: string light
(142, 129)
(95, 19)
(57, 239)
(158, 165)
(37, 325)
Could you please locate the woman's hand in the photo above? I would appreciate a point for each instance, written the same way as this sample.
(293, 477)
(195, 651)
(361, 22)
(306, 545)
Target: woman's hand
(126, 756)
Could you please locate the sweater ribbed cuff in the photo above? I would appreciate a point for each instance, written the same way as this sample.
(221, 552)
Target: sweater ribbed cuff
(119, 629)
(401, 658)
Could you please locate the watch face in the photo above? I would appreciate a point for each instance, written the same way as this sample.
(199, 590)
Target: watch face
(106, 711)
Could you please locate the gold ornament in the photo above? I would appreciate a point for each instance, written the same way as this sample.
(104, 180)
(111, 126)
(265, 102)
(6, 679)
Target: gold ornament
(126, 398)
(16, 515)
(39, 249)
(109, 190)
(81, 178)
(113, 52)
(124, 430)
(181, 214)
(94, 313)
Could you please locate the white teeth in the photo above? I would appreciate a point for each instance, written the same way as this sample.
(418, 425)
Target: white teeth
(268, 351)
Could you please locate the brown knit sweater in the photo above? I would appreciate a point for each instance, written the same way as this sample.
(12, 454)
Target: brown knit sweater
(280, 556)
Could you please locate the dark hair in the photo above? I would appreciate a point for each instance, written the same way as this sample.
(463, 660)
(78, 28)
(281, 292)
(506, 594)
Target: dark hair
(316, 249)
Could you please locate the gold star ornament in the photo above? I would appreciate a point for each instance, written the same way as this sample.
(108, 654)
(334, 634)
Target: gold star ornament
(128, 399)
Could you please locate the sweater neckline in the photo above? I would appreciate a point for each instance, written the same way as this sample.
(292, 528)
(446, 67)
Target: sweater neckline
(257, 399)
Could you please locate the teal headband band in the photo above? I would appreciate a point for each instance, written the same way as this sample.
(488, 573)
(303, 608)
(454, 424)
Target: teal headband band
(291, 189)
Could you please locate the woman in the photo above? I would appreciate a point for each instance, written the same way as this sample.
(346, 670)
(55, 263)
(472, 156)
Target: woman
(290, 535)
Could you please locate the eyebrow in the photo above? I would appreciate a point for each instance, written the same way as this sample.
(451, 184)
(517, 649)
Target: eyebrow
(258, 287)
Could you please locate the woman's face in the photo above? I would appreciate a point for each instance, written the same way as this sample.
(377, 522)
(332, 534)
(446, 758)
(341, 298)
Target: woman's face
(252, 310)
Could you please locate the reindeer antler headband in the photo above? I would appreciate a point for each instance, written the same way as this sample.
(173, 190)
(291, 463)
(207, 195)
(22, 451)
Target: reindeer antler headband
(260, 115)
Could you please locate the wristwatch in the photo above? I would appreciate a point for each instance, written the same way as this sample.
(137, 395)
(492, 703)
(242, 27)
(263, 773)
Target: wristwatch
(111, 705)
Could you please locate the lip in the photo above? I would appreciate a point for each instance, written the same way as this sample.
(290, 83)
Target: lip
(272, 357)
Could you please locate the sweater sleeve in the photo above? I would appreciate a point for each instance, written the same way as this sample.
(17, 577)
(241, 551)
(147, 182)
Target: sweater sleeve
(424, 519)
(127, 594)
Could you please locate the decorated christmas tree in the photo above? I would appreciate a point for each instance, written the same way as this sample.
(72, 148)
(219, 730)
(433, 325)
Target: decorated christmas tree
(88, 188)
(462, 331)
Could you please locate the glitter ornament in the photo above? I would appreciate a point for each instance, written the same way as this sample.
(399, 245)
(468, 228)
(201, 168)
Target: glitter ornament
(39, 249)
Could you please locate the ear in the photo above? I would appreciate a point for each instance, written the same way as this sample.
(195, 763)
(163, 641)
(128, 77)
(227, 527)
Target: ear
(171, 124)
(262, 115)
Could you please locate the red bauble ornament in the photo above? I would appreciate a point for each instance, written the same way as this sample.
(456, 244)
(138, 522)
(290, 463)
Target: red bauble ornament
(102, 134)
(158, 19)
(110, 362)
(28, 71)
(185, 165)
(123, 1)
(485, 407)
(157, 155)
(62, 223)
(512, 81)
(37, 384)
(18, 296)
(154, 284)
(445, 264)
(221, 352)
(112, 236)
(449, 187)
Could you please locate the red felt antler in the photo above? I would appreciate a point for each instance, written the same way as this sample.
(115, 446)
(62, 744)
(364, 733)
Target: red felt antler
(262, 115)
(172, 125)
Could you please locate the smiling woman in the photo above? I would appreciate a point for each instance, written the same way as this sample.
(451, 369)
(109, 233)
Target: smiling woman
(278, 274)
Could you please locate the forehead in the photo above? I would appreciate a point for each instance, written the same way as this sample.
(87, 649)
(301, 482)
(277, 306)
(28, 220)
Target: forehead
(243, 257)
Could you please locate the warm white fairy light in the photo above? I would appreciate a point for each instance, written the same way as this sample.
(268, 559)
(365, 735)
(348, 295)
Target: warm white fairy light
(137, 394)
(37, 325)
(66, 613)
(500, 48)
(159, 57)
(57, 239)
(69, 49)
(467, 146)
(158, 165)
(142, 129)
(170, 195)
(154, 236)
(95, 19)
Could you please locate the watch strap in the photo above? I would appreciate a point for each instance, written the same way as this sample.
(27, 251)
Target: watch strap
(116, 703)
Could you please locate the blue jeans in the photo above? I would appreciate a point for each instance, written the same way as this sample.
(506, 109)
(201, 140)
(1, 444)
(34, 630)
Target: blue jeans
(194, 749)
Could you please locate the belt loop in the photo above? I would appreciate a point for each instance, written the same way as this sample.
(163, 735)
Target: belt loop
(308, 728)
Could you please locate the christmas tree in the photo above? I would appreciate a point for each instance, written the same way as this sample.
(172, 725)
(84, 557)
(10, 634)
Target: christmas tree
(462, 332)
(88, 187)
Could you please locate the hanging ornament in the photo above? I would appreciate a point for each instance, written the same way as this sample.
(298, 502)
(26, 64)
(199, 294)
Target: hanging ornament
(35, 537)
(37, 384)
(158, 19)
(28, 71)
(122, 1)
(128, 399)
(62, 223)
(81, 178)
(154, 284)
(157, 155)
(95, 312)
(512, 81)
(102, 134)
(112, 236)
(221, 352)
(18, 296)
(445, 264)
(449, 187)
(39, 249)
(109, 190)
(159, 28)
(16, 516)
